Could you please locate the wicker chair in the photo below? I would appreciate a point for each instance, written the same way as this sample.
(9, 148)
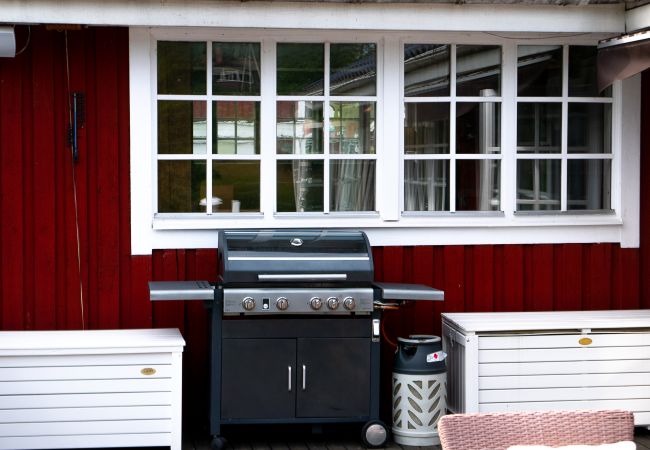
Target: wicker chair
(498, 431)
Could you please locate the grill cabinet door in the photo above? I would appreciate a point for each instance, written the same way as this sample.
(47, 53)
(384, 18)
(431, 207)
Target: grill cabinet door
(258, 378)
(337, 377)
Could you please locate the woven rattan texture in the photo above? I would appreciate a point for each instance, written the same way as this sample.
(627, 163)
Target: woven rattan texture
(498, 431)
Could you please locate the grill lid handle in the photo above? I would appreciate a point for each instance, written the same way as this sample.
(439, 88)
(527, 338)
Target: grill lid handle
(302, 277)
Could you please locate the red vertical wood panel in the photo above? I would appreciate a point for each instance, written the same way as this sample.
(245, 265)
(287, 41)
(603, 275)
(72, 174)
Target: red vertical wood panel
(43, 200)
(107, 174)
(568, 276)
(454, 269)
(513, 279)
(423, 274)
(140, 308)
(644, 257)
(597, 277)
(11, 161)
(625, 283)
(483, 279)
(541, 275)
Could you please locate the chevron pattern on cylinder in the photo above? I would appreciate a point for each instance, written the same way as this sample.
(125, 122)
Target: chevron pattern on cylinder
(418, 401)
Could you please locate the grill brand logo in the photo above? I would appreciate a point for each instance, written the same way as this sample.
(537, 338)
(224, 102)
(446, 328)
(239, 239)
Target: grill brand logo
(296, 242)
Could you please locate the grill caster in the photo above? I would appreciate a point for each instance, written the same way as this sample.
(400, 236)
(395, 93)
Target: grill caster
(218, 443)
(374, 434)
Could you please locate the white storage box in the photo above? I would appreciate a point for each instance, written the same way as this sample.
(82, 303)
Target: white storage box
(99, 388)
(548, 361)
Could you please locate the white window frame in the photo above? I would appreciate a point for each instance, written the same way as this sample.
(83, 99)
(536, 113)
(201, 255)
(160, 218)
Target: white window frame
(388, 226)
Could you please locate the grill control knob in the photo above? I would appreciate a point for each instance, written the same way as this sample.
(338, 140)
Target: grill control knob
(349, 303)
(282, 303)
(315, 303)
(332, 303)
(248, 303)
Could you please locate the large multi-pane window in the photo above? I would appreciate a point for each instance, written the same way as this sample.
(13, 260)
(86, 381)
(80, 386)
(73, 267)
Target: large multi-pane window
(280, 127)
(452, 126)
(208, 105)
(326, 119)
(564, 130)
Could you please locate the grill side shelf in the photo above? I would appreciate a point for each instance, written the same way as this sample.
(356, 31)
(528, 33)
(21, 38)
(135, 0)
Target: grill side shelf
(181, 290)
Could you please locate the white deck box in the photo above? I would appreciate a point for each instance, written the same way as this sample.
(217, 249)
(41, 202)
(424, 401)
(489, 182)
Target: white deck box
(99, 388)
(548, 361)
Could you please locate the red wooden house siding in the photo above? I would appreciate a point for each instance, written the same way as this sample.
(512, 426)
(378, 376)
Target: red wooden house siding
(39, 279)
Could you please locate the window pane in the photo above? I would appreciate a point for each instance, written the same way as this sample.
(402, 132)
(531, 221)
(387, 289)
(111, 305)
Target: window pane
(590, 128)
(352, 127)
(353, 69)
(477, 185)
(235, 68)
(583, 72)
(352, 185)
(426, 185)
(181, 68)
(299, 127)
(426, 70)
(478, 70)
(301, 69)
(478, 127)
(538, 184)
(589, 184)
(181, 186)
(300, 186)
(427, 128)
(539, 127)
(235, 186)
(236, 128)
(181, 127)
(539, 70)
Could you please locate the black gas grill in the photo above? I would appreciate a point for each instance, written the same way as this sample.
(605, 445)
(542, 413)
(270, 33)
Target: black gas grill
(295, 328)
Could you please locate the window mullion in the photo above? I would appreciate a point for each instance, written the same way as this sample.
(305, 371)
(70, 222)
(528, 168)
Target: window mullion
(209, 131)
(326, 134)
(390, 129)
(452, 129)
(508, 182)
(268, 168)
(565, 130)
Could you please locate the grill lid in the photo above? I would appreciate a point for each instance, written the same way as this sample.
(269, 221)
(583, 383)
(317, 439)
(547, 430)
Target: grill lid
(294, 256)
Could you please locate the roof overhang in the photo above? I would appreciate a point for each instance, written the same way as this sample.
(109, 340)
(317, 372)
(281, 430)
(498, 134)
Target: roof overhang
(376, 15)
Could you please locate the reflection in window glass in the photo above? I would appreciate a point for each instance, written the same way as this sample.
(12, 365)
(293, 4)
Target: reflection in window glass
(235, 68)
(300, 185)
(426, 185)
(299, 127)
(300, 69)
(478, 70)
(352, 128)
(181, 68)
(539, 127)
(236, 128)
(589, 182)
(426, 129)
(478, 128)
(352, 185)
(181, 127)
(235, 186)
(539, 70)
(426, 70)
(583, 72)
(477, 185)
(353, 69)
(179, 186)
(538, 184)
(590, 128)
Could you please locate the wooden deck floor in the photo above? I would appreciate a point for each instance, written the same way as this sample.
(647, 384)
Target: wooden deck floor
(345, 440)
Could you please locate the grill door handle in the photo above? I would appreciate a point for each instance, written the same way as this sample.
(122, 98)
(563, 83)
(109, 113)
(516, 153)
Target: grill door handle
(289, 378)
(304, 377)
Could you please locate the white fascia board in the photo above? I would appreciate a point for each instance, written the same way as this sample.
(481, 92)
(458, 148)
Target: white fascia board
(322, 15)
(637, 19)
